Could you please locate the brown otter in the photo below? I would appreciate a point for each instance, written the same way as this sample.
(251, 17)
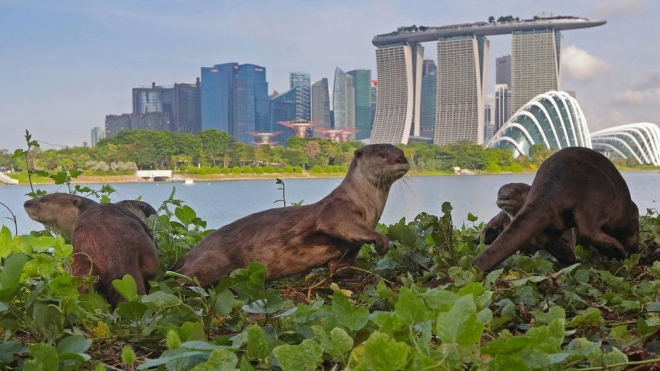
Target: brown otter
(140, 208)
(292, 240)
(510, 198)
(575, 187)
(108, 240)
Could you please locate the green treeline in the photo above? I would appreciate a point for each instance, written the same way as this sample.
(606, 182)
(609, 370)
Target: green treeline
(213, 151)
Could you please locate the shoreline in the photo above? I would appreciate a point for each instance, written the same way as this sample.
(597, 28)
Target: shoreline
(180, 178)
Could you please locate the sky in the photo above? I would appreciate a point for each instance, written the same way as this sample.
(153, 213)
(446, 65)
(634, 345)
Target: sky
(65, 65)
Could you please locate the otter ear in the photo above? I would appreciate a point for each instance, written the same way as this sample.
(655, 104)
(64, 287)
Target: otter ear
(358, 152)
(76, 202)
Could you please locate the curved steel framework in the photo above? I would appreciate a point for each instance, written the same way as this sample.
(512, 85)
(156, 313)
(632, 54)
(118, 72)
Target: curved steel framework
(554, 119)
(640, 141)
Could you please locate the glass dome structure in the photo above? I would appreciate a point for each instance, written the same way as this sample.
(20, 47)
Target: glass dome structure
(640, 141)
(554, 119)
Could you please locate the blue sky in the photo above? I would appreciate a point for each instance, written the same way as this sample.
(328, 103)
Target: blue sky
(64, 65)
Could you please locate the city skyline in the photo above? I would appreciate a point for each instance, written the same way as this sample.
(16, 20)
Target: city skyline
(70, 64)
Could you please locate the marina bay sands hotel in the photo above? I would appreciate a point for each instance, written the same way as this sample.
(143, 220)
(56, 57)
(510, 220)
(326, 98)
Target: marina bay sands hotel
(462, 57)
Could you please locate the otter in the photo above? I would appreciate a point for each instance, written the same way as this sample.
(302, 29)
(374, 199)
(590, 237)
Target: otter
(140, 208)
(291, 240)
(578, 188)
(510, 198)
(108, 240)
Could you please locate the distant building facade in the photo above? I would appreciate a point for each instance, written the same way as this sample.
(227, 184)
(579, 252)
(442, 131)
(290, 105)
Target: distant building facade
(283, 108)
(362, 102)
(187, 108)
(429, 98)
(503, 70)
(399, 69)
(321, 103)
(97, 134)
(535, 61)
(302, 83)
(234, 99)
(462, 62)
(343, 100)
(502, 105)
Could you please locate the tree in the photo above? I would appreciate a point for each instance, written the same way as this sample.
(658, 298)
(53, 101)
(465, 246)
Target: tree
(491, 19)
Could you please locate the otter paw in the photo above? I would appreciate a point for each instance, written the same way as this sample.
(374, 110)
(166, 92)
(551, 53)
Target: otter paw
(382, 244)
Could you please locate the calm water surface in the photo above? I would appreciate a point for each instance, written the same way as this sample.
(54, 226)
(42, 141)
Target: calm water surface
(220, 203)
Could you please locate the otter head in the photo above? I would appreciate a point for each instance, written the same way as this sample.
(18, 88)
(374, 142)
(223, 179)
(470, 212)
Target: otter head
(381, 164)
(141, 209)
(57, 210)
(511, 197)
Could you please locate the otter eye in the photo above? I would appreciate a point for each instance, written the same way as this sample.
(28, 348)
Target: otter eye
(42, 200)
(382, 155)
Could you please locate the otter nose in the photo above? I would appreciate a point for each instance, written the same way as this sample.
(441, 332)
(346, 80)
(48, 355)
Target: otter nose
(27, 203)
(402, 160)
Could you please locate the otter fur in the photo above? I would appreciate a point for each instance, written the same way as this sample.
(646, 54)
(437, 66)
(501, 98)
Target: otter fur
(574, 188)
(108, 240)
(291, 240)
(510, 198)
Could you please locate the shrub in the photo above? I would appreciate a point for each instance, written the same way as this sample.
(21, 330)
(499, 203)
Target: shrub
(268, 169)
(236, 170)
(297, 169)
(316, 169)
(258, 170)
(225, 170)
(247, 169)
(288, 169)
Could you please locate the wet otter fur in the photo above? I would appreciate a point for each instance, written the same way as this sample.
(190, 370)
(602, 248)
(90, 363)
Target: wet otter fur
(108, 240)
(292, 240)
(574, 188)
(510, 198)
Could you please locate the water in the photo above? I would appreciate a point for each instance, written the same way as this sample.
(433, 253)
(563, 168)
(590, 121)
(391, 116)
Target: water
(220, 203)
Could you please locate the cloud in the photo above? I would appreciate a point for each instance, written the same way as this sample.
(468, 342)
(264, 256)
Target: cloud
(608, 9)
(577, 64)
(643, 93)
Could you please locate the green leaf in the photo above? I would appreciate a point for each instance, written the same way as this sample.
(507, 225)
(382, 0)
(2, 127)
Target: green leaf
(185, 214)
(257, 346)
(614, 357)
(383, 353)
(411, 307)
(160, 300)
(440, 299)
(590, 317)
(9, 349)
(553, 313)
(131, 309)
(460, 325)
(348, 315)
(224, 303)
(653, 306)
(45, 358)
(11, 272)
(74, 344)
(219, 360)
(305, 356)
(337, 344)
(6, 242)
(126, 287)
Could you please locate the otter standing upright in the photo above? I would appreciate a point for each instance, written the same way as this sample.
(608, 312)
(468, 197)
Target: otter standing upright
(292, 240)
(575, 187)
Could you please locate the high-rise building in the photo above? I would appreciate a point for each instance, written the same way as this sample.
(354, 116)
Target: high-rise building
(462, 62)
(217, 96)
(502, 105)
(283, 108)
(321, 103)
(343, 100)
(116, 123)
(535, 59)
(97, 134)
(362, 102)
(234, 99)
(153, 99)
(503, 70)
(489, 126)
(374, 100)
(301, 82)
(250, 102)
(429, 98)
(187, 108)
(399, 89)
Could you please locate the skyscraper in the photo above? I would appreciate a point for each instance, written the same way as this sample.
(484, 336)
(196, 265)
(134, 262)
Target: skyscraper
(217, 96)
(301, 82)
(343, 100)
(503, 70)
(321, 103)
(502, 105)
(362, 102)
(97, 134)
(429, 98)
(283, 108)
(399, 73)
(462, 62)
(187, 109)
(153, 99)
(535, 58)
(250, 102)
(235, 99)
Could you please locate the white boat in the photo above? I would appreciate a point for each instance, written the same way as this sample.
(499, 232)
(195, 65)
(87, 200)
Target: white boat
(188, 182)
